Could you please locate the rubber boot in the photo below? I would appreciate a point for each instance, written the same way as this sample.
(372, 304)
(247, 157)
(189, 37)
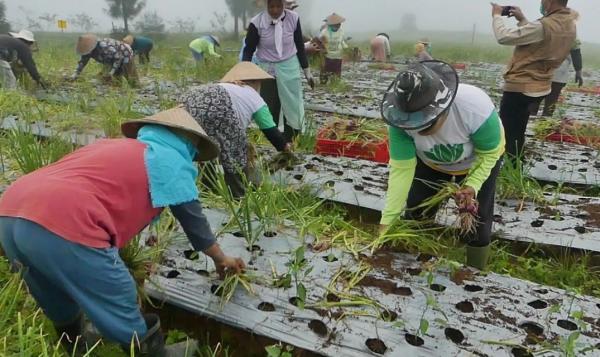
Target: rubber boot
(477, 257)
(77, 336)
(153, 344)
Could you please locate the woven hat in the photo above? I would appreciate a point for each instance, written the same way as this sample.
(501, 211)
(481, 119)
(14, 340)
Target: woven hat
(86, 44)
(420, 95)
(334, 19)
(216, 40)
(128, 40)
(177, 118)
(23, 35)
(290, 4)
(245, 71)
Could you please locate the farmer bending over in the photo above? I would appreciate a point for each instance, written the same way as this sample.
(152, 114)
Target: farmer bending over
(16, 46)
(116, 56)
(142, 46)
(440, 130)
(63, 225)
(205, 46)
(380, 48)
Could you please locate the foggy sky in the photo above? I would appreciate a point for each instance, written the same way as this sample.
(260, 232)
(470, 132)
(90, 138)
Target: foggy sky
(362, 15)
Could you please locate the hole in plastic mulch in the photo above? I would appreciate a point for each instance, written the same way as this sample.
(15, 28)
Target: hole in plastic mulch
(437, 287)
(298, 177)
(173, 274)
(537, 223)
(389, 316)
(414, 271)
(270, 234)
(318, 327)
(538, 304)
(552, 167)
(329, 184)
(473, 288)
(375, 345)
(465, 306)
(532, 328)
(359, 188)
(266, 306)
(330, 258)
(203, 273)
(541, 291)
(295, 301)
(424, 257)
(191, 254)
(339, 173)
(580, 229)
(331, 297)
(214, 288)
(348, 180)
(454, 335)
(520, 352)
(254, 248)
(567, 325)
(309, 166)
(239, 234)
(414, 340)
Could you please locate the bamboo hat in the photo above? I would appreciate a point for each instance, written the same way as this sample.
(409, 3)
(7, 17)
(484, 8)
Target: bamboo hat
(128, 40)
(86, 44)
(245, 71)
(215, 40)
(23, 35)
(334, 19)
(177, 118)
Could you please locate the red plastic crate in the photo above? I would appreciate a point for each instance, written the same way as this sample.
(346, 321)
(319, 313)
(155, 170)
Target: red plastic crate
(593, 141)
(377, 152)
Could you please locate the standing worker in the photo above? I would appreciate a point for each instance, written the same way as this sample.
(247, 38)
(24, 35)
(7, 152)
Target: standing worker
(540, 48)
(333, 40)
(560, 80)
(226, 110)
(16, 46)
(441, 130)
(116, 56)
(63, 226)
(275, 35)
(380, 48)
(204, 47)
(142, 46)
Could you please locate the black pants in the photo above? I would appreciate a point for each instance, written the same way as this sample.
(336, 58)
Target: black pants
(421, 190)
(549, 101)
(144, 57)
(234, 181)
(515, 111)
(268, 91)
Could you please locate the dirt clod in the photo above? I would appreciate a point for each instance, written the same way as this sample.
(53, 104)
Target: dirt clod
(454, 335)
(593, 216)
(414, 340)
(386, 286)
(375, 345)
(459, 276)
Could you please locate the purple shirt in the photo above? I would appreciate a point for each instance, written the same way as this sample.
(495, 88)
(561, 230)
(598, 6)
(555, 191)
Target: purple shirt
(266, 51)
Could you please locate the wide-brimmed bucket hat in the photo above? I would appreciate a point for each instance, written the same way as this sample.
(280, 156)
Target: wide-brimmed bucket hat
(177, 118)
(245, 71)
(420, 95)
(334, 19)
(128, 39)
(23, 35)
(215, 40)
(86, 44)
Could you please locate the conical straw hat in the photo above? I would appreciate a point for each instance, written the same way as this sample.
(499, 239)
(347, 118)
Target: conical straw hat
(334, 19)
(128, 40)
(177, 118)
(86, 44)
(24, 35)
(245, 71)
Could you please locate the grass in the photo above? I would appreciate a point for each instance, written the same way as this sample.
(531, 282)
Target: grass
(30, 153)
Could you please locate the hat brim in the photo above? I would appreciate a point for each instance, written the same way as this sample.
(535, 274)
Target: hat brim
(217, 42)
(207, 149)
(394, 116)
(20, 36)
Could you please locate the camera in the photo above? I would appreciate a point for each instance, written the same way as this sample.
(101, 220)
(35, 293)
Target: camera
(506, 10)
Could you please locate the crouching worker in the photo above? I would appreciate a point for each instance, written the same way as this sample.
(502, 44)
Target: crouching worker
(225, 110)
(63, 225)
(142, 46)
(440, 130)
(116, 56)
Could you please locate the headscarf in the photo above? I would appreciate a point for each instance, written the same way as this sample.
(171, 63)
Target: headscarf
(169, 162)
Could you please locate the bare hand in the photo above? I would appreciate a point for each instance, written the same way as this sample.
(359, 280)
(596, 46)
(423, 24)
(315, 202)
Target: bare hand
(579, 78)
(288, 148)
(496, 9)
(465, 197)
(311, 82)
(517, 13)
(229, 265)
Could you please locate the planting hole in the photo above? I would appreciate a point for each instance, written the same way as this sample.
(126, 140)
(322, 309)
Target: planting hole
(538, 304)
(318, 327)
(389, 316)
(309, 166)
(270, 234)
(537, 223)
(598, 306)
(239, 234)
(173, 274)
(498, 218)
(203, 273)
(437, 287)
(567, 325)
(424, 257)
(532, 328)
(367, 178)
(520, 352)
(583, 169)
(298, 177)
(330, 258)
(348, 180)
(330, 183)
(191, 254)
(414, 271)
(402, 291)
(541, 291)
(454, 335)
(552, 167)
(473, 288)
(289, 168)
(295, 301)
(465, 306)
(214, 288)
(331, 297)
(339, 173)
(266, 306)
(254, 248)
(359, 188)
(375, 345)
(579, 229)
(414, 340)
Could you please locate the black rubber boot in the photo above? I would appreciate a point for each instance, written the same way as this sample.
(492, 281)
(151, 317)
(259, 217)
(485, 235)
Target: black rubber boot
(70, 335)
(153, 344)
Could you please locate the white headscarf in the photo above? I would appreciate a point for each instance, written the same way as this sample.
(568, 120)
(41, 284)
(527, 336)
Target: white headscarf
(265, 21)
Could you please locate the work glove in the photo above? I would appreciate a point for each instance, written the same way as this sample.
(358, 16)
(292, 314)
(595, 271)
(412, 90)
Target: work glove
(309, 78)
(579, 78)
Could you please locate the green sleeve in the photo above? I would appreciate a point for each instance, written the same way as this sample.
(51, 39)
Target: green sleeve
(489, 145)
(263, 118)
(402, 173)
(211, 50)
(402, 146)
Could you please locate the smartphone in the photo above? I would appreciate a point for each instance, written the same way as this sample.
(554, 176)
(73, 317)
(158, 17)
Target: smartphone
(506, 10)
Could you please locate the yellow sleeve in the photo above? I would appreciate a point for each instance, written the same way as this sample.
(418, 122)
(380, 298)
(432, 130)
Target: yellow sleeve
(402, 173)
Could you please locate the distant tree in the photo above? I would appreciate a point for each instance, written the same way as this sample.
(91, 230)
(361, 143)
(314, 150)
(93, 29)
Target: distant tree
(4, 25)
(218, 22)
(83, 22)
(151, 22)
(408, 22)
(31, 23)
(237, 9)
(125, 9)
(49, 19)
(183, 25)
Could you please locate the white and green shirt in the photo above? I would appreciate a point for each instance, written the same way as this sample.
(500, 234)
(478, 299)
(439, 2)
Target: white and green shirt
(470, 141)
